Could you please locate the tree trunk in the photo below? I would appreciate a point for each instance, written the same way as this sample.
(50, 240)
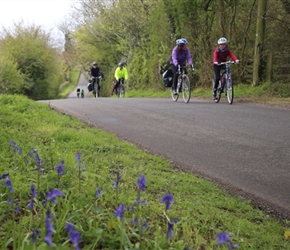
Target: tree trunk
(259, 43)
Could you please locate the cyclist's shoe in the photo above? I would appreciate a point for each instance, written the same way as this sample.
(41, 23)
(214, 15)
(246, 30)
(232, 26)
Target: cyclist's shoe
(174, 92)
(214, 96)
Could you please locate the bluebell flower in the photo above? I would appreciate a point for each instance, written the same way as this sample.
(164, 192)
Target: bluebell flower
(49, 232)
(9, 201)
(33, 191)
(49, 215)
(135, 220)
(9, 184)
(16, 210)
(144, 226)
(119, 212)
(132, 208)
(59, 168)
(142, 182)
(74, 235)
(30, 204)
(78, 157)
(167, 199)
(51, 195)
(224, 238)
(35, 234)
(44, 202)
(144, 202)
(137, 200)
(170, 228)
(3, 176)
(98, 192)
(16, 148)
(118, 178)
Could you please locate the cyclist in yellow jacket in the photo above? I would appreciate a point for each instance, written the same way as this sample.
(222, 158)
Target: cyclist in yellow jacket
(120, 73)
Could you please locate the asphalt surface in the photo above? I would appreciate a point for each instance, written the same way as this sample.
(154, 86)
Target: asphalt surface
(243, 147)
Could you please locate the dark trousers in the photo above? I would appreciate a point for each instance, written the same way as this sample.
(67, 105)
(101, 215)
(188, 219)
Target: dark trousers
(175, 75)
(217, 75)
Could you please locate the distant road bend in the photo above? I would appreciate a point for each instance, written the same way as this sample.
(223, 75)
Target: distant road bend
(243, 147)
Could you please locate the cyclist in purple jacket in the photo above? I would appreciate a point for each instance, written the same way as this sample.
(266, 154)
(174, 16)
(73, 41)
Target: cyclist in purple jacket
(180, 55)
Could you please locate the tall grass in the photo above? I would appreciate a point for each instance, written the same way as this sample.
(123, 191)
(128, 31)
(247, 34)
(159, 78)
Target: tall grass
(96, 192)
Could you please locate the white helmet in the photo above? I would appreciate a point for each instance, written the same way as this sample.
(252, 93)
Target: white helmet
(222, 40)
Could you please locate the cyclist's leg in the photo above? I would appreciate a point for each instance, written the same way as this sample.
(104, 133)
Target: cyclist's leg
(217, 70)
(175, 77)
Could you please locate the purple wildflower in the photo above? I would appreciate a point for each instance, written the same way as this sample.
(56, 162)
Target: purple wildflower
(33, 191)
(119, 212)
(135, 220)
(170, 228)
(132, 208)
(78, 157)
(3, 176)
(49, 232)
(118, 178)
(137, 200)
(59, 168)
(142, 182)
(16, 149)
(35, 234)
(9, 201)
(224, 238)
(98, 192)
(30, 204)
(16, 210)
(144, 202)
(51, 195)
(167, 199)
(9, 184)
(74, 235)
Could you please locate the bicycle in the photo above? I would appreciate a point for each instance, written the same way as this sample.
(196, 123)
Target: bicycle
(225, 81)
(120, 90)
(183, 85)
(96, 82)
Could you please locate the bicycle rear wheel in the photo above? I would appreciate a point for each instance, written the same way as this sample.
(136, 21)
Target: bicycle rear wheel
(186, 89)
(230, 90)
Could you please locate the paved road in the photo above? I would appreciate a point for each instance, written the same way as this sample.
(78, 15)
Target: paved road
(244, 147)
(83, 85)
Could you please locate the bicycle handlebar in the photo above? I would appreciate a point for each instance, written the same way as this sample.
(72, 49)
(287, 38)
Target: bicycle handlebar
(227, 62)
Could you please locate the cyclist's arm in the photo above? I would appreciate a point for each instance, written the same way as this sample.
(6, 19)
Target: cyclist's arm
(125, 74)
(117, 73)
(232, 55)
(189, 58)
(215, 56)
(174, 56)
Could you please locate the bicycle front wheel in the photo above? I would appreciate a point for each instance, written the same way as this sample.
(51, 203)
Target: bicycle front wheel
(230, 90)
(186, 89)
(174, 95)
(96, 90)
(122, 91)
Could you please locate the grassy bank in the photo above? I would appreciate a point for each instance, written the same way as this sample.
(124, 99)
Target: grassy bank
(62, 171)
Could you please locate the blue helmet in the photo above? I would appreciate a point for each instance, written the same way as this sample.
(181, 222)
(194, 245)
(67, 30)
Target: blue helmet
(120, 64)
(181, 41)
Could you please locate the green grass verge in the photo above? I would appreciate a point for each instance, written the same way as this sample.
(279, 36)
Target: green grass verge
(74, 77)
(275, 92)
(202, 209)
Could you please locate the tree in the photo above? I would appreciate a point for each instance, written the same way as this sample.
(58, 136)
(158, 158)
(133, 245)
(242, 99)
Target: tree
(259, 43)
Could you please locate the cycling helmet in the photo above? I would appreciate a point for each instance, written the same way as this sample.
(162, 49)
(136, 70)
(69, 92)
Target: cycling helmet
(181, 41)
(94, 63)
(120, 64)
(222, 40)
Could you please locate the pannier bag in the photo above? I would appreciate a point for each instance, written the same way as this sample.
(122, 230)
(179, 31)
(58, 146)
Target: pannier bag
(167, 78)
(90, 87)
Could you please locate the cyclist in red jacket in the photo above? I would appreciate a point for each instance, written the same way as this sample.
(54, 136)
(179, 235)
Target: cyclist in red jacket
(220, 54)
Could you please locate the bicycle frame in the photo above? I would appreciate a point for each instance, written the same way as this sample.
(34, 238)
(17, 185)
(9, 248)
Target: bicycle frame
(183, 84)
(228, 84)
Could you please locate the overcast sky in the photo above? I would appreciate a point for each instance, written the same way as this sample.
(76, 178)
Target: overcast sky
(47, 13)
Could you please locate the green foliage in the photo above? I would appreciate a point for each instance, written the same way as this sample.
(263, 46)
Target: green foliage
(38, 63)
(11, 79)
(202, 209)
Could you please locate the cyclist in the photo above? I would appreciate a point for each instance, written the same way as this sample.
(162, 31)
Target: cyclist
(82, 93)
(120, 73)
(95, 72)
(221, 53)
(180, 55)
(78, 92)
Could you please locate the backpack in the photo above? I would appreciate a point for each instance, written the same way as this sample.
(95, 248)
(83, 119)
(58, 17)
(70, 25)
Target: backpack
(167, 77)
(90, 87)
